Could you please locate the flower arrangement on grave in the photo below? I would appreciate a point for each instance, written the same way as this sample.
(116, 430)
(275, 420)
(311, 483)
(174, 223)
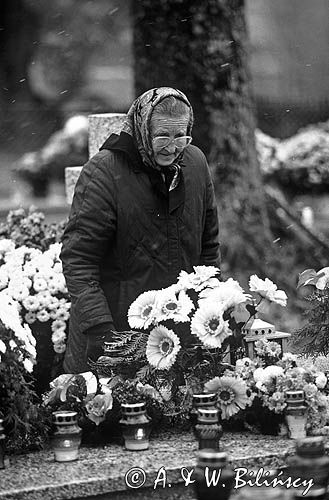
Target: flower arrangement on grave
(23, 417)
(29, 228)
(268, 377)
(313, 337)
(180, 336)
(35, 281)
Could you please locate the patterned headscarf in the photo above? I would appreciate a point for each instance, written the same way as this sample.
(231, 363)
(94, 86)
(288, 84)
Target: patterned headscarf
(137, 122)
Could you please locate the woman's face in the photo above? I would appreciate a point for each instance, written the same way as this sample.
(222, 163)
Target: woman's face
(170, 127)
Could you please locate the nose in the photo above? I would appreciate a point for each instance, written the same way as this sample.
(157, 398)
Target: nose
(171, 147)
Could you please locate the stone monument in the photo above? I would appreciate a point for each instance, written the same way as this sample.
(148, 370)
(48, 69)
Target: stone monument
(100, 127)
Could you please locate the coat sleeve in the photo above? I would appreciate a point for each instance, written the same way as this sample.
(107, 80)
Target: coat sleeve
(210, 253)
(90, 229)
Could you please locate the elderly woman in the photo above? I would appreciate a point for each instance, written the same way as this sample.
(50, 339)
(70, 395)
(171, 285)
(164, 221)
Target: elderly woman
(143, 210)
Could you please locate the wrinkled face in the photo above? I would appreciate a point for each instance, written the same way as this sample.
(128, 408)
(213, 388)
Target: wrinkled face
(171, 128)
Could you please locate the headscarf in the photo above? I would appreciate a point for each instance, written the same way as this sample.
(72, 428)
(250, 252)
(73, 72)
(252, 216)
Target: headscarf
(137, 122)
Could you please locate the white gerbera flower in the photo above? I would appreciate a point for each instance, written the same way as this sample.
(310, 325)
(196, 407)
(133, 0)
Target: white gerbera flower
(202, 277)
(208, 324)
(169, 306)
(231, 394)
(268, 290)
(141, 311)
(162, 348)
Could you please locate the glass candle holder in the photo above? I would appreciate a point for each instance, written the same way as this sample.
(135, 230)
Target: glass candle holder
(296, 414)
(202, 400)
(213, 464)
(2, 445)
(208, 431)
(310, 462)
(136, 426)
(66, 439)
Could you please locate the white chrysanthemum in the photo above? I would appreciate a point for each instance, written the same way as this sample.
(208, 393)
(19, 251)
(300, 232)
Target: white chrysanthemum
(162, 348)
(58, 336)
(58, 267)
(31, 303)
(208, 324)
(266, 375)
(268, 290)
(228, 292)
(60, 347)
(202, 277)
(53, 251)
(231, 394)
(58, 325)
(43, 316)
(30, 317)
(141, 311)
(4, 278)
(61, 314)
(39, 284)
(18, 292)
(321, 380)
(6, 246)
(53, 304)
(170, 306)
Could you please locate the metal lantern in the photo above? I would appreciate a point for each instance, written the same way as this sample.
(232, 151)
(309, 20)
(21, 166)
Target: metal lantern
(136, 426)
(257, 329)
(208, 431)
(66, 439)
(2, 445)
(202, 400)
(213, 464)
(296, 414)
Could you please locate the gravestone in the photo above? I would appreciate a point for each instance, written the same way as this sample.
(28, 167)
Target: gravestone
(100, 127)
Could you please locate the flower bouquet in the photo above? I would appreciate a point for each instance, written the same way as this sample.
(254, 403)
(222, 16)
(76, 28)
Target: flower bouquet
(184, 335)
(25, 428)
(35, 282)
(268, 377)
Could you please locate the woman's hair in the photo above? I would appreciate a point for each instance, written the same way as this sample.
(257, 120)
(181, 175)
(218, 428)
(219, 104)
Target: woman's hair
(171, 106)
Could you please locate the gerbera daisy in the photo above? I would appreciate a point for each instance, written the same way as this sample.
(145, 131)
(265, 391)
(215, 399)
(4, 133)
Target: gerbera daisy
(208, 324)
(169, 306)
(162, 348)
(231, 394)
(140, 312)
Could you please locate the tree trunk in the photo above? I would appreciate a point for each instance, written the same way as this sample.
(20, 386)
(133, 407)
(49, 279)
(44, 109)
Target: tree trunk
(201, 48)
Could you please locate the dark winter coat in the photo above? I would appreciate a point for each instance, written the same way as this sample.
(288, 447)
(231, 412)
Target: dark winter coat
(126, 235)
